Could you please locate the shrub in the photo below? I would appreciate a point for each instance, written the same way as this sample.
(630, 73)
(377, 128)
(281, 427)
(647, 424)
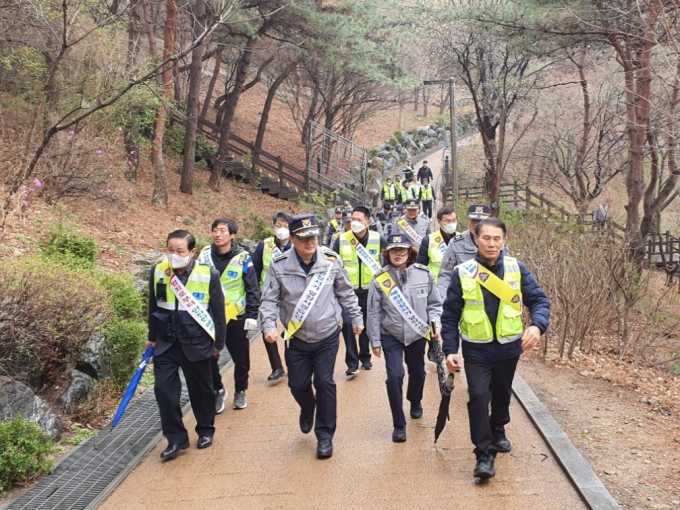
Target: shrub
(257, 226)
(202, 242)
(122, 348)
(25, 452)
(100, 405)
(126, 302)
(70, 247)
(49, 312)
(399, 135)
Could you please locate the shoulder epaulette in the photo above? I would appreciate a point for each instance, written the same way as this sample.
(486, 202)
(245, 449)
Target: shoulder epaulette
(459, 237)
(420, 266)
(329, 253)
(281, 256)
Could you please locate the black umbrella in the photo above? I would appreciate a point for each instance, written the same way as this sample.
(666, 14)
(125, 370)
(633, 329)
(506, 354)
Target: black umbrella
(436, 355)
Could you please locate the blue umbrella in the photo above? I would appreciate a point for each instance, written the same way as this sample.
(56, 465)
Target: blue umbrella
(132, 386)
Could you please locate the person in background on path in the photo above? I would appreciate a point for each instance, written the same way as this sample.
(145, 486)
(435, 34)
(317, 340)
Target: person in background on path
(334, 225)
(308, 289)
(242, 299)
(462, 247)
(408, 171)
(398, 188)
(360, 269)
(400, 339)
(412, 224)
(384, 216)
(415, 190)
(263, 255)
(484, 301)
(345, 227)
(434, 246)
(405, 194)
(425, 172)
(389, 191)
(187, 330)
(427, 196)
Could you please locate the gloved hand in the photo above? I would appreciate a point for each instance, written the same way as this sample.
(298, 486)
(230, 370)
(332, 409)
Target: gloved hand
(250, 325)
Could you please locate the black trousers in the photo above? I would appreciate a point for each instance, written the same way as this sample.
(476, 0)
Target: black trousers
(488, 382)
(168, 388)
(427, 208)
(314, 361)
(396, 353)
(354, 355)
(273, 354)
(239, 349)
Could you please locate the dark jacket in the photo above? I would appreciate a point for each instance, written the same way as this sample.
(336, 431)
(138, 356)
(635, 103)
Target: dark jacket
(166, 327)
(424, 172)
(533, 298)
(250, 280)
(259, 252)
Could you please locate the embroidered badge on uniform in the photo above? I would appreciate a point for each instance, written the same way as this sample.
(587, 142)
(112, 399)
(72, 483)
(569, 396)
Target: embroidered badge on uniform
(386, 284)
(306, 222)
(515, 298)
(168, 272)
(352, 242)
(484, 276)
(397, 239)
(232, 274)
(373, 252)
(199, 295)
(421, 292)
(513, 284)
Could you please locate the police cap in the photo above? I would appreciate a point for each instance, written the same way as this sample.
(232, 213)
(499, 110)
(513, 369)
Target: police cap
(398, 241)
(346, 215)
(478, 211)
(412, 203)
(304, 226)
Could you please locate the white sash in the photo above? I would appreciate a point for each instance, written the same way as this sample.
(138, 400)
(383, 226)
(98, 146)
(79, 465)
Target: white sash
(193, 308)
(365, 257)
(397, 298)
(307, 300)
(409, 230)
(206, 258)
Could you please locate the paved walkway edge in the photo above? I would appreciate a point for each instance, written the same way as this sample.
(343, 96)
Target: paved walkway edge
(588, 485)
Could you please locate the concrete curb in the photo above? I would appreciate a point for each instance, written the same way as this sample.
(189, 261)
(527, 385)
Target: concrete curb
(589, 486)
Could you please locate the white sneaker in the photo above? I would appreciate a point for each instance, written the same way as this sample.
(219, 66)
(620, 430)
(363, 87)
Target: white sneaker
(219, 400)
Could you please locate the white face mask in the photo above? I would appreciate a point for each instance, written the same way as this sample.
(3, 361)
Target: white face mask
(282, 233)
(450, 228)
(357, 226)
(178, 262)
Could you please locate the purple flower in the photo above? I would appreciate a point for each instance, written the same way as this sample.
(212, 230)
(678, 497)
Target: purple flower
(37, 183)
(24, 203)
(98, 151)
(71, 132)
(132, 152)
(129, 162)
(108, 190)
(23, 188)
(120, 128)
(82, 130)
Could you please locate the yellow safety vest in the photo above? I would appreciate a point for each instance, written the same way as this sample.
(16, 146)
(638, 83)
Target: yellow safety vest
(405, 194)
(232, 283)
(435, 253)
(267, 257)
(427, 194)
(335, 224)
(389, 192)
(198, 285)
(351, 259)
(475, 325)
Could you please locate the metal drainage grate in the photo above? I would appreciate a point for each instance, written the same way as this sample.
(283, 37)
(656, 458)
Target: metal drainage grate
(89, 473)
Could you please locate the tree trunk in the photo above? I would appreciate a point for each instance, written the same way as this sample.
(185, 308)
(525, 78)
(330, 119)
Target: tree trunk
(230, 109)
(416, 100)
(211, 86)
(425, 101)
(160, 174)
(271, 94)
(187, 182)
(148, 28)
(131, 125)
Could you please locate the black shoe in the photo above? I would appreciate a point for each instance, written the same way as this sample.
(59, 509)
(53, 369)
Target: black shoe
(204, 442)
(276, 374)
(367, 366)
(173, 450)
(351, 373)
(416, 411)
(324, 449)
(484, 468)
(501, 443)
(306, 424)
(399, 434)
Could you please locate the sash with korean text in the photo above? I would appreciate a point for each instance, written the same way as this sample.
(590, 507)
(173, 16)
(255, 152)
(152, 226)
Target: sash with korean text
(410, 231)
(396, 297)
(193, 308)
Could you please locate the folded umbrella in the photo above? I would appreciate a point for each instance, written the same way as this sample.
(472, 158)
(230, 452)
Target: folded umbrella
(132, 386)
(436, 355)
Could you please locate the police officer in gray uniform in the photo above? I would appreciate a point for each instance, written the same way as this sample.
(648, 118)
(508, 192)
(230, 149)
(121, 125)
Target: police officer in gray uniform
(462, 247)
(418, 223)
(313, 277)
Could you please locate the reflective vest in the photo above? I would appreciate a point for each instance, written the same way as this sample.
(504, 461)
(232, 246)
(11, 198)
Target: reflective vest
(389, 192)
(233, 286)
(351, 259)
(435, 252)
(267, 257)
(335, 224)
(414, 191)
(475, 325)
(198, 285)
(405, 194)
(426, 194)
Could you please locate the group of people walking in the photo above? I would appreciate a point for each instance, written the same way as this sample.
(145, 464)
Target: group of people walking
(393, 293)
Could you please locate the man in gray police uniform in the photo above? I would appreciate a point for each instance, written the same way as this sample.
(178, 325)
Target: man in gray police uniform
(418, 223)
(313, 276)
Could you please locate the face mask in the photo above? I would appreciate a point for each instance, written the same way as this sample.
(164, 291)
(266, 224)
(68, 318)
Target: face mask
(282, 233)
(357, 227)
(178, 262)
(450, 228)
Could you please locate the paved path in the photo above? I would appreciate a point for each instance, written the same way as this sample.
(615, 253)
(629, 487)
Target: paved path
(261, 460)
